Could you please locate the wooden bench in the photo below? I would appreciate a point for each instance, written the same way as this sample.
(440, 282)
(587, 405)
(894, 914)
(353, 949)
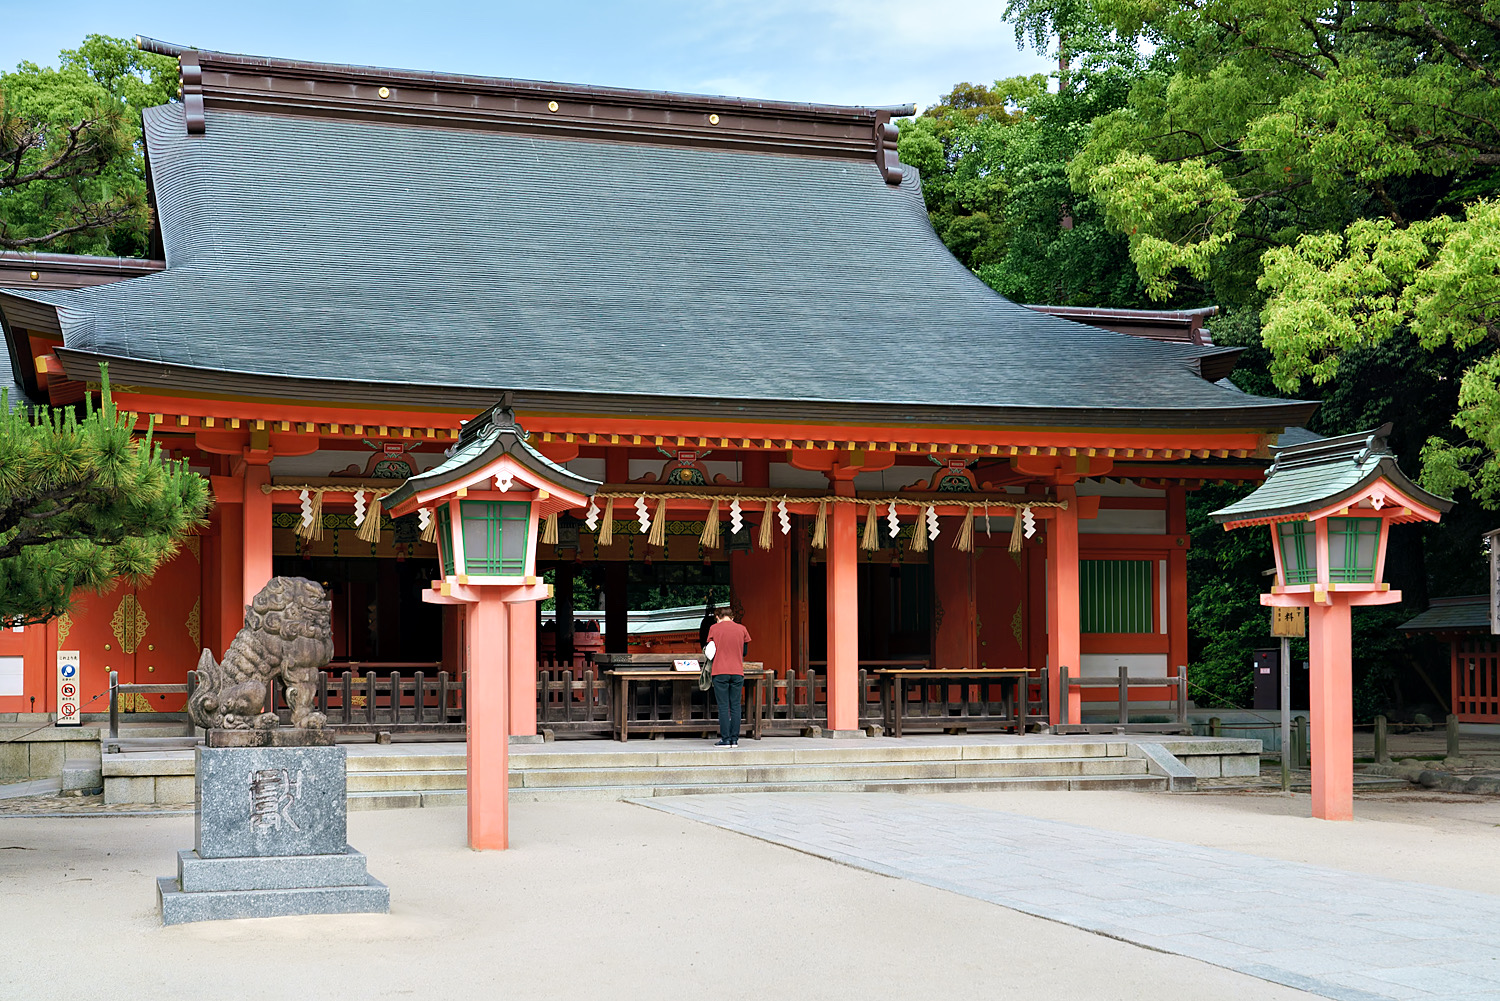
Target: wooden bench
(1123, 683)
(895, 683)
(627, 670)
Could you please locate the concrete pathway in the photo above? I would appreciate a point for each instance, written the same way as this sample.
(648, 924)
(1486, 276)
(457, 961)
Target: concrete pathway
(1338, 934)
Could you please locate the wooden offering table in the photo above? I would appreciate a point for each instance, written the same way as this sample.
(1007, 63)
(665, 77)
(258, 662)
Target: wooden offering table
(895, 683)
(676, 715)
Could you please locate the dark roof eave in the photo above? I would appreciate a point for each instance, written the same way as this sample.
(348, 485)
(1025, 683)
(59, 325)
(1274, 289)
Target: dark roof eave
(504, 443)
(487, 84)
(1385, 469)
(83, 365)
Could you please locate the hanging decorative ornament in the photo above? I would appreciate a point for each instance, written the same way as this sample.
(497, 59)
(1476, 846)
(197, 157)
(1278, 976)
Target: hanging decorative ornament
(641, 515)
(359, 508)
(1028, 521)
(932, 522)
(424, 518)
(306, 509)
(892, 520)
(503, 480)
(986, 519)
(735, 521)
(786, 519)
(592, 519)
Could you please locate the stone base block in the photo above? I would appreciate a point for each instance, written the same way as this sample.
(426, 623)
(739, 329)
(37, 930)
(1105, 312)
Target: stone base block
(527, 738)
(281, 736)
(196, 874)
(81, 777)
(271, 801)
(179, 907)
(843, 734)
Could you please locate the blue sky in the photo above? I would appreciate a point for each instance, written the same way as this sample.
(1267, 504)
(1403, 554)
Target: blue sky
(838, 51)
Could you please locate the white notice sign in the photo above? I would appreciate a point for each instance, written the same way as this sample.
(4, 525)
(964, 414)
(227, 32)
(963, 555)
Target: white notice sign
(685, 665)
(12, 676)
(69, 679)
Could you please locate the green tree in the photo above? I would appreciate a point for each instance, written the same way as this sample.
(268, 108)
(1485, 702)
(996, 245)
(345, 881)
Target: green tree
(84, 502)
(72, 171)
(993, 162)
(1326, 175)
(1333, 168)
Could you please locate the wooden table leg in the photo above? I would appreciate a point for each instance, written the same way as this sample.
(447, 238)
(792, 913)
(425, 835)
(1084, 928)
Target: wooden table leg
(760, 695)
(898, 703)
(1023, 697)
(624, 709)
(885, 705)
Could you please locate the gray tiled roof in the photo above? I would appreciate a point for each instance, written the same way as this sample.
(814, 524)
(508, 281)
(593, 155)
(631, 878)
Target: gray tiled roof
(369, 252)
(1318, 473)
(1466, 613)
(9, 381)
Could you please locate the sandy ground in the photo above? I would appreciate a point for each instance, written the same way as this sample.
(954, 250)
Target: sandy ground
(597, 900)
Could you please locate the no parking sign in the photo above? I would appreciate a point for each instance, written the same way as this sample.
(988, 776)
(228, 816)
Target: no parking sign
(69, 677)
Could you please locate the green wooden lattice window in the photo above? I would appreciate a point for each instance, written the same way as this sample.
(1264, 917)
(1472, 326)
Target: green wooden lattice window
(495, 536)
(1352, 544)
(1298, 552)
(1115, 596)
(445, 539)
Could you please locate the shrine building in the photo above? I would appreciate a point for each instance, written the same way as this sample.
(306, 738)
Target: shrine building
(732, 313)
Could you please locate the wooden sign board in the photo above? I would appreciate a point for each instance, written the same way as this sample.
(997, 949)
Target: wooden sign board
(1290, 622)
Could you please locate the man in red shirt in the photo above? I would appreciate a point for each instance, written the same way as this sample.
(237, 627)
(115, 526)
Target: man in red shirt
(728, 638)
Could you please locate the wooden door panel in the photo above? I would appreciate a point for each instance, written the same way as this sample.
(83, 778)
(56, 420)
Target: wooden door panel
(169, 627)
(101, 628)
(1001, 604)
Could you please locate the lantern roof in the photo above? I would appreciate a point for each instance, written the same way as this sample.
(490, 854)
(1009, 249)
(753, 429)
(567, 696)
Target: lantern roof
(1316, 476)
(484, 439)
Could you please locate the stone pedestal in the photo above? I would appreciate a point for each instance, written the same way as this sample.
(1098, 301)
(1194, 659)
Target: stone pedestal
(271, 840)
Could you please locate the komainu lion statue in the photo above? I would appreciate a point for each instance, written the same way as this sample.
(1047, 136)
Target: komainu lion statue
(287, 634)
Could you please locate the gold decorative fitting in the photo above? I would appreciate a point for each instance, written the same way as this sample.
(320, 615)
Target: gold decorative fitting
(551, 105)
(128, 623)
(35, 276)
(384, 92)
(713, 119)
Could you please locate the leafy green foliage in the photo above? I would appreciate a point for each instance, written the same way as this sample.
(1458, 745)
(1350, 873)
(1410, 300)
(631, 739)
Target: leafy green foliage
(82, 503)
(1329, 176)
(993, 162)
(72, 172)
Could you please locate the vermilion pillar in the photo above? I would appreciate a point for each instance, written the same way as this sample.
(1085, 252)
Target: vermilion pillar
(257, 531)
(523, 668)
(1332, 707)
(487, 695)
(230, 547)
(1063, 642)
(1177, 589)
(843, 610)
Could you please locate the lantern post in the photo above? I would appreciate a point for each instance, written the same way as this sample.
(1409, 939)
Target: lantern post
(1330, 505)
(485, 503)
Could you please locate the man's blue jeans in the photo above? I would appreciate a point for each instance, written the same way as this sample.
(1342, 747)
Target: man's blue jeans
(728, 690)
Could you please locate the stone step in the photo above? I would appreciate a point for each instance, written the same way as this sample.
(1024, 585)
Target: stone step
(819, 752)
(1148, 783)
(458, 797)
(407, 762)
(728, 772)
(407, 781)
(407, 800)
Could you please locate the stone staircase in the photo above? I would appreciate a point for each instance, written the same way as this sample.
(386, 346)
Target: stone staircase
(435, 775)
